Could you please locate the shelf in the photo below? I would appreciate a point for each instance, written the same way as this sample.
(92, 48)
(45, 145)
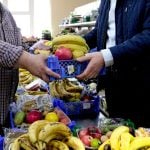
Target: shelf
(83, 24)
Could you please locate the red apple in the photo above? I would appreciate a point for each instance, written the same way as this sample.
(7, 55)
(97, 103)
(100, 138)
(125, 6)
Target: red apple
(33, 115)
(86, 140)
(96, 135)
(83, 132)
(63, 53)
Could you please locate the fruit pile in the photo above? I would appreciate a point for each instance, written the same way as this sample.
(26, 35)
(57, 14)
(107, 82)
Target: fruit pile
(69, 46)
(65, 89)
(122, 138)
(90, 137)
(31, 116)
(25, 77)
(43, 135)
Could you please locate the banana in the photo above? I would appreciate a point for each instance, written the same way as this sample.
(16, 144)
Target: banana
(69, 39)
(23, 74)
(28, 80)
(35, 128)
(16, 145)
(74, 143)
(102, 146)
(54, 128)
(125, 139)
(77, 54)
(61, 90)
(56, 136)
(115, 137)
(73, 47)
(140, 142)
(59, 145)
(70, 87)
(53, 89)
(23, 79)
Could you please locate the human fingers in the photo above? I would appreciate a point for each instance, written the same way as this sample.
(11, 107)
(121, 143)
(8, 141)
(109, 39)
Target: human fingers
(87, 57)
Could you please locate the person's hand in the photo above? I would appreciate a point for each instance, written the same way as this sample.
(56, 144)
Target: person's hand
(96, 63)
(36, 64)
(41, 45)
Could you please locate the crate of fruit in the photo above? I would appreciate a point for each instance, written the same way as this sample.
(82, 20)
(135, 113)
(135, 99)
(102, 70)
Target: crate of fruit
(79, 108)
(66, 68)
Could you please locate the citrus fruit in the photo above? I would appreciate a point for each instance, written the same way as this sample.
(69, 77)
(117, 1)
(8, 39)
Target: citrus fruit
(52, 117)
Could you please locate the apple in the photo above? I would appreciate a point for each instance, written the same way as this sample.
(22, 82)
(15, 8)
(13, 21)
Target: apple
(33, 116)
(95, 143)
(96, 135)
(83, 132)
(63, 53)
(86, 139)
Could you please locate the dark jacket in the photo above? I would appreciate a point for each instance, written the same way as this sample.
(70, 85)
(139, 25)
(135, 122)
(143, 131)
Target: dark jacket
(128, 80)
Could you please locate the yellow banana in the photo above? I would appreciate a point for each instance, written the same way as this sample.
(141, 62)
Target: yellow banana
(23, 74)
(56, 136)
(115, 137)
(77, 54)
(23, 79)
(16, 144)
(28, 80)
(59, 145)
(69, 39)
(35, 128)
(70, 87)
(53, 89)
(74, 143)
(61, 90)
(125, 139)
(54, 128)
(140, 142)
(102, 146)
(73, 47)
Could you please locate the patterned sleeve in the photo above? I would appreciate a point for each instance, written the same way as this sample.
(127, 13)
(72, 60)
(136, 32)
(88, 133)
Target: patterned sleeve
(9, 54)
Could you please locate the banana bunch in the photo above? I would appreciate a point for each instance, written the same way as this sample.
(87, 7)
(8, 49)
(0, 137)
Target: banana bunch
(122, 139)
(44, 135)
(75, 43)
(25, 77)
(65, 89)
(22, 142)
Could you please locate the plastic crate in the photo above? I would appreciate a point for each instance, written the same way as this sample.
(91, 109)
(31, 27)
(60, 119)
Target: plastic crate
(1, 142)
(66, 68)
(80, 108)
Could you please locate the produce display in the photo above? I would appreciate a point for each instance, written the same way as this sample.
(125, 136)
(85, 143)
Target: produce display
(43, 135)
(75, 43)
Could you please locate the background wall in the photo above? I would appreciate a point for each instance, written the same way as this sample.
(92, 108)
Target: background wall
(61, 9)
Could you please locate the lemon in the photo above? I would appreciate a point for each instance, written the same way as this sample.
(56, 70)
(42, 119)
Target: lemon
(52, 117)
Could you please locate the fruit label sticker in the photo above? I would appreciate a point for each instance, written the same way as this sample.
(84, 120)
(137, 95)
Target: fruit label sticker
(70, 69)
(86, 105)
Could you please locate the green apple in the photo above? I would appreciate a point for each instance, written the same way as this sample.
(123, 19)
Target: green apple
(95, 143)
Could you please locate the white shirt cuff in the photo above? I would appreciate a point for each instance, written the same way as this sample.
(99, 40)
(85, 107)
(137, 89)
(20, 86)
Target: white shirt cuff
(108, 58)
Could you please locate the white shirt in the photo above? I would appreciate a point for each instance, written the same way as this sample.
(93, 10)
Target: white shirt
(111, 33)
